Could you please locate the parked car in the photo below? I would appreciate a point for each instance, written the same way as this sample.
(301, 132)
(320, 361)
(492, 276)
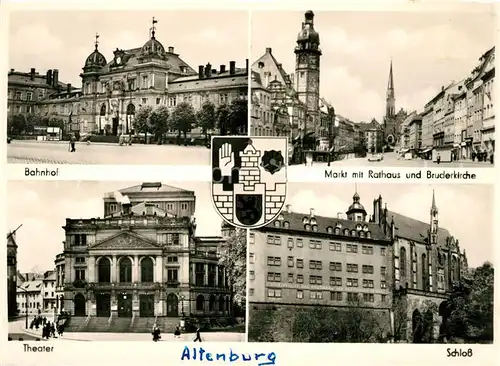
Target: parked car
(376, 157)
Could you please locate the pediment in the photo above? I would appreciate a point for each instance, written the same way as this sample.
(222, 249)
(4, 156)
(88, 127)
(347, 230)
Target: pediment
(125, 241)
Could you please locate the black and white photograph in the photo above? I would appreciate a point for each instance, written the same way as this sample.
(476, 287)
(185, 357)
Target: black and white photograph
(122, 261)
(380, 88)
(125, 87)
(366, 263)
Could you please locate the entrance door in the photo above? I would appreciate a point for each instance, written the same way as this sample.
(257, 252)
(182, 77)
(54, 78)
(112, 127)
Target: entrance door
(103, 305)
(115, 126)
(80, 305)
(125, 305)
(146, 306)
(172, 305)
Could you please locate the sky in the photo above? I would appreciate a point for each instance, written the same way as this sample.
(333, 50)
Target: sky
(43, 206)
(64, 39)
(467, 211)
(428, 50)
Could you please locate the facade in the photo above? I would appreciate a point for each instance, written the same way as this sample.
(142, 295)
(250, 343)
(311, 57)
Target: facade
(49, 291)
(142, 259)
(30, 297)
(393, 264)
(373, 136)
(112, 91)
(460, 124)
(12, 274)
(488, 97)
(60, 271)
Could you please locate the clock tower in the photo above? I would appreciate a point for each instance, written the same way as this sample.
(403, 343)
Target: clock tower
(307, 66)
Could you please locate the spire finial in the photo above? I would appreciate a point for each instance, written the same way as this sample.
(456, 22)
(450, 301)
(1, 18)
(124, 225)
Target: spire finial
(433, 200)
(153, 27)
(96, 41)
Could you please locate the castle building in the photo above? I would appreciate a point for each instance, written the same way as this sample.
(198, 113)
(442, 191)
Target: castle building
(391, 263)
(113, 90)
(12, 274)
(141, 259)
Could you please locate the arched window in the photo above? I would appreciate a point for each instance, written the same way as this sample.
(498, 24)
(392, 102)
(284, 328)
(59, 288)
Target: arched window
(130, 109)
(454, 269)
(402, 264)
(425, 269)
(221, 303)
(200, 303)
(103, 110)
(126, 270)
(104, 270)
(147, 270)
(211, 303)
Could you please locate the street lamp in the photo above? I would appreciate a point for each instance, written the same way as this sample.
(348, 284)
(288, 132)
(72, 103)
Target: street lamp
(26, 304)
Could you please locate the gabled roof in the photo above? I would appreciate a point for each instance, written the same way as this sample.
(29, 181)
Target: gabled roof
(152, 187)
(412, 229)
(126, 240)
(31, 286)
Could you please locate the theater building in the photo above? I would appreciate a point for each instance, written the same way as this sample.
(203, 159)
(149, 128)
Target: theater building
(142, 258)
(389, 262)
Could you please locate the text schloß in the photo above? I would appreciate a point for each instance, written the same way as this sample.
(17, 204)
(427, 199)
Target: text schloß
(458, 352)
(201, 354)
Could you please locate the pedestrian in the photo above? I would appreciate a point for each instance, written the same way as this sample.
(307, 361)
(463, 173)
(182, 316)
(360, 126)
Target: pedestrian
(72, 143)
(52, 330)
(438, 158)
(156, 333)
(177, 333)
(198, 336)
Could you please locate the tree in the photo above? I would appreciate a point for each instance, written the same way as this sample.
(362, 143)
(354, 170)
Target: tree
(238, 117)
(223, 119)
(206, 117)
(16, 124)
(158, 120)
(142, 120)
(182, 119)
(470, 307)
(234, 259)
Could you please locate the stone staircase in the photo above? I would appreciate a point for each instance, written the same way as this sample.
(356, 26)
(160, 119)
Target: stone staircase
(76, 324)
(94, 324)
(167, 324)
(142, 325)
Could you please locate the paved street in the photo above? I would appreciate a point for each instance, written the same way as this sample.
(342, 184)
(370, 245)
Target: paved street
(17, 327)
(391, 160)
(54, 152)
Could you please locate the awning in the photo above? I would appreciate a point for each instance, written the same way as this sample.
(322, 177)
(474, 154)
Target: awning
(427, 150)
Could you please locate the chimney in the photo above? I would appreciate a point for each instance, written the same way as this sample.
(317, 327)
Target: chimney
(32, 74)
(288, 208)
(208, 70)
(49, 77)
(246, 65)
(222, 69)
(269, 50)
(232, 67)
(68, 88)
(311, 211)
(385, 218)
(12, 70)
(170, 49)
(200, 71)
(376, 217)
(214, 71)
(55, 78)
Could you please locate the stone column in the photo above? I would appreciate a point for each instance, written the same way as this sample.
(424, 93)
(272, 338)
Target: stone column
(135, 269)
(192, 274)
(114, 277)
(91, 267)
(158, 277)
(216, 276)
(205, 274)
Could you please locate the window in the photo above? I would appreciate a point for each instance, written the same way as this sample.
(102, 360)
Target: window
(383, 284)
(368, 297)
(79, 274)
(290, 243)
(158, 101)
(80, 240)
(172, 101)
(79, 260)
(317, 295)
(184, 206)
(299, 243)
(251, 291)
(274, 261)
(147, 270)
(315, 244)
(273, 240)
(125, 268)
(383, 251)
(290, 278)
(300, 294)
(367, 269)
(335, 247)
(251, 274)
(144, 83)
(273, 277)
(336, 296)
(274, 292)
(172, 259)
(335, 281)
(352, 282)
(172, 239)
(383, 298)
(367, 249)
(315, 280)
(290, 261)
(19, 95)
(113, 207)
(251, 239)
(315, 265)
(367, 283)
(29, 96)
(336, 266)
(300, 263)
(352, 296)
(172, 275)
(383, 271)
(440, 279)
(351, 248)
(251, 258)
(300, 278)
(353, 268)
(144, 101)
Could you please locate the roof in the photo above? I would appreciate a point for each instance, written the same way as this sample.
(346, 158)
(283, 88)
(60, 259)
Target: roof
(31, 286)
(140, 209)
(219, 81)
(152, 187)
(412, 229)
(325, 225)
(51, 276)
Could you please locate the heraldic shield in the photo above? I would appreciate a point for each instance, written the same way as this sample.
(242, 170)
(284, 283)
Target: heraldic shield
(249, 178)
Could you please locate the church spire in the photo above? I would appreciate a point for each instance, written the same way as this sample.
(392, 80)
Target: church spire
(390, 109)
(433, 207)
(390, 84)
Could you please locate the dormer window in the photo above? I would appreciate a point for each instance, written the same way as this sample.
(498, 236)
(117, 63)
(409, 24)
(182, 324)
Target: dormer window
(365, 228)
(353, 232)
(361, 234)
(307, 227)
(346, 231)
(281, 217)
(314, 222)
(315, 228)
(359, 227)
(337, 231)
(368, 234)
(286, 225)
(329, 229)
(339, 225)
(277, 224)
(305, 220)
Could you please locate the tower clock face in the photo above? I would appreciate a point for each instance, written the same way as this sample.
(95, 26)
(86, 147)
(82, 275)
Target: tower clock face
(302, 58)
